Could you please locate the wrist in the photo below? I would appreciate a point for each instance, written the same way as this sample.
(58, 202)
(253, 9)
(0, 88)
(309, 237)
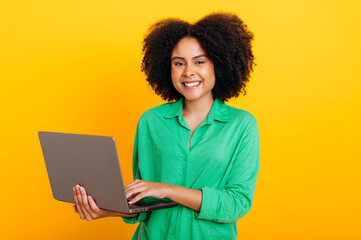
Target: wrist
(114, 214)
(171, 190)
(119, 214)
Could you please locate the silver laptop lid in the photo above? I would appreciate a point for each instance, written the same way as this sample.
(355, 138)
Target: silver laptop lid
(91, 161)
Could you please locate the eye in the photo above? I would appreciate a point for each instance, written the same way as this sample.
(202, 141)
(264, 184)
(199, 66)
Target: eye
(199, 62)
(178, 63)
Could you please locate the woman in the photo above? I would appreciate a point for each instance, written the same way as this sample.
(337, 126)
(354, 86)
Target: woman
(194, 150)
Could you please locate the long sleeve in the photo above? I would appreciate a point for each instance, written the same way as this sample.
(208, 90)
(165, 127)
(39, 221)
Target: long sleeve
(235, 199)
(136, 175)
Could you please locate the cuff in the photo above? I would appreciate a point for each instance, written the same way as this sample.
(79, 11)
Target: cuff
(209, 204)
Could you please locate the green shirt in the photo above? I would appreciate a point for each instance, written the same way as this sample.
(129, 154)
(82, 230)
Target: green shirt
(222, 161)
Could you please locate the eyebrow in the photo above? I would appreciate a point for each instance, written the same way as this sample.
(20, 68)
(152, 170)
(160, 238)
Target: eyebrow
(202, 55)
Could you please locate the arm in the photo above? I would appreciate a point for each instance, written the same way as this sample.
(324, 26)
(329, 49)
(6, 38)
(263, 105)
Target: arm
(185, 196)
(190, 198)
(235, 199)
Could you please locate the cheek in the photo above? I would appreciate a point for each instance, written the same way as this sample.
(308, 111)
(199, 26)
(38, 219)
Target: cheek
(175, 73)
(209, 75)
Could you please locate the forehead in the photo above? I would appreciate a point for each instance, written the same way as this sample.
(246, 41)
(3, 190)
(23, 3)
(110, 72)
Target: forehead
(188, 46)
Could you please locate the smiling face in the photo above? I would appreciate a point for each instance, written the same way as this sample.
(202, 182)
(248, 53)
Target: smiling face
(192, 71)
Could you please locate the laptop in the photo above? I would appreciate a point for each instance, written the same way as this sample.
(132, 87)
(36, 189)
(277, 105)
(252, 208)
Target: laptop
(92, 162)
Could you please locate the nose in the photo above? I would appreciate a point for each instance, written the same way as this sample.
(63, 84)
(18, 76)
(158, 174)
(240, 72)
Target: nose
(188, 71)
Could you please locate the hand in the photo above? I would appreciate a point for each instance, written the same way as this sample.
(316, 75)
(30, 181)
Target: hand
(140, 189)
(88, 209)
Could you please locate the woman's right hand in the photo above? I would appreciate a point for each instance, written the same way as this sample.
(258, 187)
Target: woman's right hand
(87, 209)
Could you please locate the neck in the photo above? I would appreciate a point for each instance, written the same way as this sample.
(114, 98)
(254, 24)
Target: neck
(201, 106)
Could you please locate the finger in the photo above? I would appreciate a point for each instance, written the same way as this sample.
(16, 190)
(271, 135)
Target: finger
(139, 197)
(135, 188)
(86, 205)
(133, 196)
(144, 193)
(135, 182)
(81, 205)
(74, 208)
(77, 203)
(84, 202)
(93, 205)
(136, 191)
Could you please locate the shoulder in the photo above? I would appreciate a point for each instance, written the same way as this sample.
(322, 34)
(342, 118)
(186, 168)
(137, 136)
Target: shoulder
(241, 116)
(243, 124)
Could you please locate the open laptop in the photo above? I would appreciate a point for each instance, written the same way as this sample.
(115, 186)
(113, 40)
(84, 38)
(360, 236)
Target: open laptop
(91, 161)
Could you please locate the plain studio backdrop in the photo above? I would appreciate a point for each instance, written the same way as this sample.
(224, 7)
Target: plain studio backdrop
(74, 66)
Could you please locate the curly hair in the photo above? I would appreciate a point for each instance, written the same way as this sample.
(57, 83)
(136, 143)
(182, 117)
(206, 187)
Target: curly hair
(223, 36)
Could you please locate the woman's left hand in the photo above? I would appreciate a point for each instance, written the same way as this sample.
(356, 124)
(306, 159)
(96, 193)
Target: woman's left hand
(86, 207)
(140, 189)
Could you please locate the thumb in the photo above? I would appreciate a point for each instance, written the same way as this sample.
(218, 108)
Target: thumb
(74, 208)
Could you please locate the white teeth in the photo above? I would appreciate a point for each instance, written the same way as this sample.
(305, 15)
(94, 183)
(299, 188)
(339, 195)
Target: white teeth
(191, 84)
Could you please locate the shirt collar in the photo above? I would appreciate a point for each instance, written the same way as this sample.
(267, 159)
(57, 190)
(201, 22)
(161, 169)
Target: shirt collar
(219, 111)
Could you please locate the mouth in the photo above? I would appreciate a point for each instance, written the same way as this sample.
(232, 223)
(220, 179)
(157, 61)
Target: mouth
(189, 85)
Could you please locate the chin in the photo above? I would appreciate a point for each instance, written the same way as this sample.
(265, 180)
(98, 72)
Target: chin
(191, 98)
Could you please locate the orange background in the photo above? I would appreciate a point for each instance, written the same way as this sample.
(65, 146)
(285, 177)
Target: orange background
(74, 66)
